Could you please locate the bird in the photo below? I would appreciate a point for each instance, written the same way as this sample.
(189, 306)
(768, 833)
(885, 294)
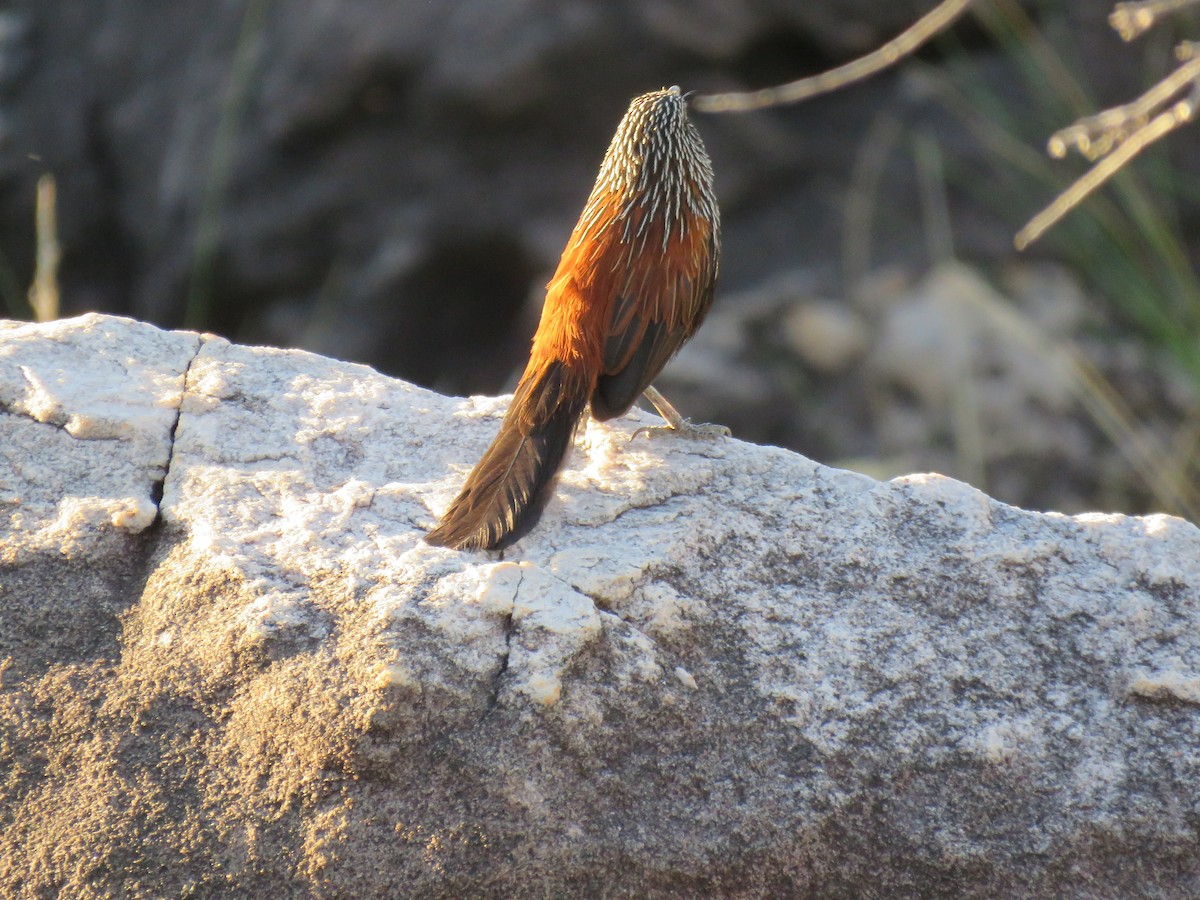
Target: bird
(634, 283)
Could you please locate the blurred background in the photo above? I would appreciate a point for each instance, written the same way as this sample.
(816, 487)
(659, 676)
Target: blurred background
(392, 182)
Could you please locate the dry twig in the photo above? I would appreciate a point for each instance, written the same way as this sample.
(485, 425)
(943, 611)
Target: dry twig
(1115, 136)
(900, 46)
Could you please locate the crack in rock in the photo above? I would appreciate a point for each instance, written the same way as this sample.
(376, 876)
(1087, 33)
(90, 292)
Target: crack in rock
(159, 485)
(56, 418)
(648, 504)
(21, 414)
(509, 630)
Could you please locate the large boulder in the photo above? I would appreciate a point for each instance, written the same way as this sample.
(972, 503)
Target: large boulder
(229, 666)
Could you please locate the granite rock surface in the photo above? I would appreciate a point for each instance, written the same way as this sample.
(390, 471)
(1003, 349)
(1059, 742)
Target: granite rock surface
(229, 666)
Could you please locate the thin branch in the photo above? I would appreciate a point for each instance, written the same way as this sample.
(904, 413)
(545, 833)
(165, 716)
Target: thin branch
(900, 46)
(1095, 136)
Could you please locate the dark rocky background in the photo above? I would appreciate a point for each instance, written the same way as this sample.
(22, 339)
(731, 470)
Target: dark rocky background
(392, 182)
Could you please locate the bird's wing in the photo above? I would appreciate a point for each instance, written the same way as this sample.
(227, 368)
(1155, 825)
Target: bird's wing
(657, 308)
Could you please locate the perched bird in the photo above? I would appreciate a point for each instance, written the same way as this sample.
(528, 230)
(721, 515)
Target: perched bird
(634, 283)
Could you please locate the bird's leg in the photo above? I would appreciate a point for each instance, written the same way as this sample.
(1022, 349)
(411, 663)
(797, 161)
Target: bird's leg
(675, 422)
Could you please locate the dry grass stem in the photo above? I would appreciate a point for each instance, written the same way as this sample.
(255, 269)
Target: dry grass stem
(43, 294)
(859, 210)
(1163, 470)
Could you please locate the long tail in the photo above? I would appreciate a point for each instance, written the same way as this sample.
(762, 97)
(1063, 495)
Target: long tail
(506, 492)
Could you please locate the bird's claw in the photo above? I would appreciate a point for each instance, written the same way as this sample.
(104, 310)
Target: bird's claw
(703, 431)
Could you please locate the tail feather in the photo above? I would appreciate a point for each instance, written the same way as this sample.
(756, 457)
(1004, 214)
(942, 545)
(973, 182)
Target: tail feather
(506, 492)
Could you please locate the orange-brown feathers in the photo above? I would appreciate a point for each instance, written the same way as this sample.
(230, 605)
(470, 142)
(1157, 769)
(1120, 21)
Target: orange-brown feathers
(633, 284)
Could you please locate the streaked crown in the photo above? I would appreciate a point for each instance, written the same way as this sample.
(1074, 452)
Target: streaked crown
(657, 162)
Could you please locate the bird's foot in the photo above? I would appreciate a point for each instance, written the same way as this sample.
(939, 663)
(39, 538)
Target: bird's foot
(684, 428)
(676, 423)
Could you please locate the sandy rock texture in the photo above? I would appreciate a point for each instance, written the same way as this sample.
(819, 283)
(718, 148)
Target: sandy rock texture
(228, 666)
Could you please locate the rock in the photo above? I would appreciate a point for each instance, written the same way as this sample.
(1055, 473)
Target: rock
(714, 668)
(953, 327)
(1022, 391)
(826, 335)
(86, 414)
(102, 430)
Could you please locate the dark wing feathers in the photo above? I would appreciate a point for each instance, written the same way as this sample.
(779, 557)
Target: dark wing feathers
(642, 338)
(648, 351)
